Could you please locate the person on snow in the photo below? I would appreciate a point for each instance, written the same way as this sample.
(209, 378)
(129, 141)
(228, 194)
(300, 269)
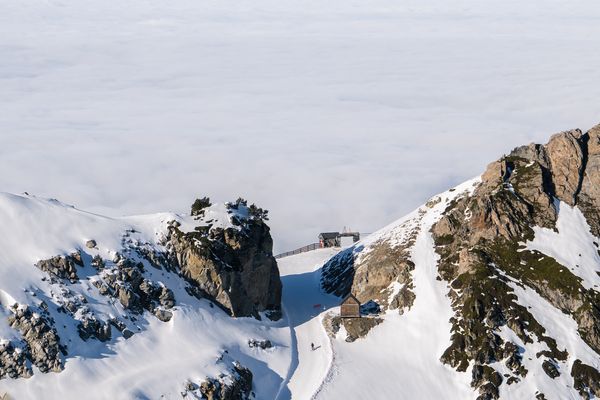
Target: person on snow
(312, 346)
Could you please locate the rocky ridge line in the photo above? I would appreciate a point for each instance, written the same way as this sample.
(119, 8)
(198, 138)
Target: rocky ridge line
(480, 240)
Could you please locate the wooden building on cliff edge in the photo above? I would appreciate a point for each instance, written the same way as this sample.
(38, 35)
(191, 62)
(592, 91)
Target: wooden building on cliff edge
(350, 307)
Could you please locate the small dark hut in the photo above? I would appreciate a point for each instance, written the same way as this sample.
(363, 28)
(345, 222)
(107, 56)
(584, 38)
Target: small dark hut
(350, 307)
(330, 239)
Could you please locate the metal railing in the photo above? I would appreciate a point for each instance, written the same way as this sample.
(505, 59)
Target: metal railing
(310, 247)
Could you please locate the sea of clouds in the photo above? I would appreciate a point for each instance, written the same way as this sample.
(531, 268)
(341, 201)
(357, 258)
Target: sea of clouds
(328, 113)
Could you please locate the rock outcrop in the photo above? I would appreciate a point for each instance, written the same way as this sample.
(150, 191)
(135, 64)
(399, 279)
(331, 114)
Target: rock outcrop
(567, 161)
(90, 327)
(235, 385)
(136, 293)
(480, 242)
(42, 343)
(586, 379)
(589, 196)
(261, 344)
(355, 328)
(13, 362)
(382, 275)
(62, 267)
(80, 303)
(233, 266)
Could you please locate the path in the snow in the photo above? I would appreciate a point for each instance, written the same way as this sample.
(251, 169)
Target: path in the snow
(304, 304)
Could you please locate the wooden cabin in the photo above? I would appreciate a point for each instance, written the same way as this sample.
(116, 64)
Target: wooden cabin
(350, 307)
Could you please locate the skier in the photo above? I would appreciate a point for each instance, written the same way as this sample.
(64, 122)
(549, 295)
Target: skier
(312, 346)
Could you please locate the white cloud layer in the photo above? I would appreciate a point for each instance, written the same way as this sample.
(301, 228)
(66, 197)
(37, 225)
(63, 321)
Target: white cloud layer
(329, 113)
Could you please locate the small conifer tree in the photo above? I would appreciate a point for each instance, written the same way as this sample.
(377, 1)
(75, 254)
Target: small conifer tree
(199, 206)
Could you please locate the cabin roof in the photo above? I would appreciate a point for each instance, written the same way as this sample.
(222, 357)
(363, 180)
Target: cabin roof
(350, 297)
(329, 235)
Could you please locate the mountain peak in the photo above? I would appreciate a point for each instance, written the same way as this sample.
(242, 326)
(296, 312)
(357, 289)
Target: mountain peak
(518, 253)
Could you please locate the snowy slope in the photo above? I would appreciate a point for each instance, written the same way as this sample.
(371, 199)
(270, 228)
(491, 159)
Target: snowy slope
(399, 359)
(571, 244)
(161, 357)
(305, 304)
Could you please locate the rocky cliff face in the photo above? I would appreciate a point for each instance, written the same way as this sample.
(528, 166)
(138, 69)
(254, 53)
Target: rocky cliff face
(381, 274)
(483, 239)
(232, 265)
(482, 251)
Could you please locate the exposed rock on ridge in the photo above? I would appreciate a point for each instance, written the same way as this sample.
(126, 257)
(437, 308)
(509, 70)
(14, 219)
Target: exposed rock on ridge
(480, 238)
(233, 266)
(589, 196)
(62, 267)
(382, 275)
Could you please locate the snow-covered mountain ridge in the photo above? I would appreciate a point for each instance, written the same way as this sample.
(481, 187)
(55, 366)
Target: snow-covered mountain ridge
(488, 291)
(515, 253)
(133, 307)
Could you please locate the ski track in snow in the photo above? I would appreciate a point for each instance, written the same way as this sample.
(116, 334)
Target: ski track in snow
(330, 372)
(283, 391)
(301, 292)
